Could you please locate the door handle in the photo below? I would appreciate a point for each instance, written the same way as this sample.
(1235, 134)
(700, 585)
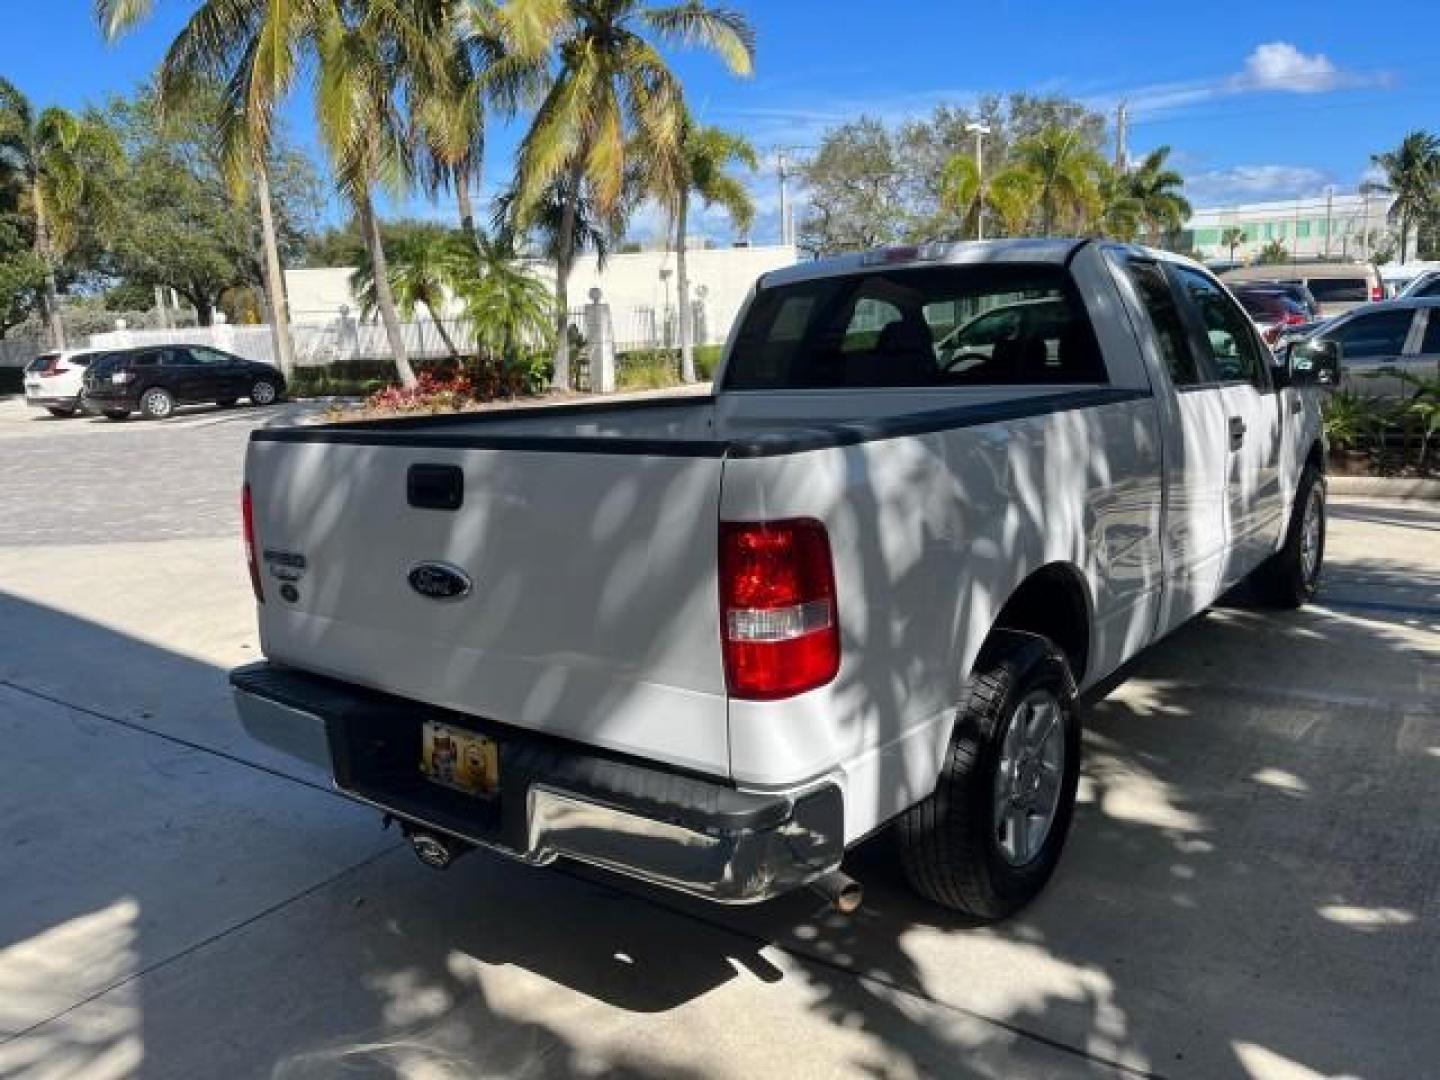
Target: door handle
(1237, 432)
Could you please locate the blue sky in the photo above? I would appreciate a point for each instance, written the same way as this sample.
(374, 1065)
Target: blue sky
(1260, 100)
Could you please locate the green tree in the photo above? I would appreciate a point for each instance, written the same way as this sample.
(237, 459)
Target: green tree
(507, 308)
(1232, 236)
(178, 222)
(1116, 210)
(1064, 165)
(1162, 209)
(1273, 253)
(58, 162)
(610, 85)
(369, 58)
(425, 266)
(253, 49)
(855, 191)
(22, 274)
(706, 154)
(1412, 175)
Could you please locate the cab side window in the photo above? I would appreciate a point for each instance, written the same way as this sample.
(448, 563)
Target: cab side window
(1374, 334)
(1159, 301)
(1227, 332)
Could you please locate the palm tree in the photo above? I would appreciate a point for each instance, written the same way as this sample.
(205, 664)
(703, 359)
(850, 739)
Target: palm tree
(1163, 210)
(1116, 211)
(506, 306)
(425, 265)
(1014, 195)
(610, 84)
(1232, 236)
(48, 157)
(478, 71)
(368, 57)
(1065, 167)
(1412, 175)
(705, 154)
(251, 48)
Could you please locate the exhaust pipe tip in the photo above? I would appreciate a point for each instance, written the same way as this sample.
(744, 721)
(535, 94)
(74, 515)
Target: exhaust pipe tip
(841, 891)
(436, 852)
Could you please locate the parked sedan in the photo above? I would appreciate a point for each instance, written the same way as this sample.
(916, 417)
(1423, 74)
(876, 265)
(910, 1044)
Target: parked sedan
(155, 380)
(1382, 339)
(53, 381)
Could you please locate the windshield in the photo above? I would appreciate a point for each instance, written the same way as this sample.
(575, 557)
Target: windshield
(924, 326)
(1331, 290)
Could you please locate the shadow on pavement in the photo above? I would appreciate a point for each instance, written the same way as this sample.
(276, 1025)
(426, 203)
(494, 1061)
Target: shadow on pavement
(1251, 884)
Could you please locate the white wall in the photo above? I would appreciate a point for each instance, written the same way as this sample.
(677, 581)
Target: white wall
(631, 284)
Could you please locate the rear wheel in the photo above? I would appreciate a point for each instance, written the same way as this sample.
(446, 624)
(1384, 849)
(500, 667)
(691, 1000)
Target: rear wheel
(60, 410)
(157, 403)
(116, 414)
(1291, 577)
(264, 392)
(228, 403)
(989, 837)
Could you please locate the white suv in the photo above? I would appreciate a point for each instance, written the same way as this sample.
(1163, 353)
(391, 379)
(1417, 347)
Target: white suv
(52, 380)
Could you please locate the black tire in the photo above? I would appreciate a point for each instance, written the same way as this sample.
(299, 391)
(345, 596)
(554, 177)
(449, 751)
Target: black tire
(116, 414)
(60, 412)
(157, 403)
(950, 843)
(264, 391)
(1291, 577)
(228, 403)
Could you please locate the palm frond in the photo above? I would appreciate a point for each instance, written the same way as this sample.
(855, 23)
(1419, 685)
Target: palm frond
(722, 30)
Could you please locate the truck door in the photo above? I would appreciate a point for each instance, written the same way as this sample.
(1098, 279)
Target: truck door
(1254, 422)
(1195, 447)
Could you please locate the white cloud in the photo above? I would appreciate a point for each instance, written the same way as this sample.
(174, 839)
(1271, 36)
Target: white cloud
(1278, 65)
(1272, 67)
(1254, 183)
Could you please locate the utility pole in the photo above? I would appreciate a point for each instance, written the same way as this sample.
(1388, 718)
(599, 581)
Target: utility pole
(979, 130)
(1122, 130)
(782, 171)
(1329, 207)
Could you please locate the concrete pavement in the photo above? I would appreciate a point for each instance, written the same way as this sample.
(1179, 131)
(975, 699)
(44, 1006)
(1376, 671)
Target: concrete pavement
(1252, 886)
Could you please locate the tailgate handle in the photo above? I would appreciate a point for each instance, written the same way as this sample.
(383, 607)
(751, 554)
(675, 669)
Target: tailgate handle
(435, 487)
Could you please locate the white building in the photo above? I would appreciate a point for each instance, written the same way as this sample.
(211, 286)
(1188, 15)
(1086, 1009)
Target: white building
(1335, 226)
(639, 287)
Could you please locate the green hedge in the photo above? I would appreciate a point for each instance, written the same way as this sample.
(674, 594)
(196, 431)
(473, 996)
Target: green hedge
(655, 369)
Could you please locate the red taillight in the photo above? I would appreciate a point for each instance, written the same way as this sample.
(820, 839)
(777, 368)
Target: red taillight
(778, 621)
(56, 370)
(1377, 292)
(247, 513)
(1294, 318)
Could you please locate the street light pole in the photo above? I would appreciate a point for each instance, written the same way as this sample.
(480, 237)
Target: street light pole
(979, 131)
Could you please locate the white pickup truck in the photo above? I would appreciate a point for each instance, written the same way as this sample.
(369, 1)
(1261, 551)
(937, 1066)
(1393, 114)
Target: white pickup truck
(713, 642)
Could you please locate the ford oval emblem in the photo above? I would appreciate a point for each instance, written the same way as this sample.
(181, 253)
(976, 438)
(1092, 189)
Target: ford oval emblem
(439, 581)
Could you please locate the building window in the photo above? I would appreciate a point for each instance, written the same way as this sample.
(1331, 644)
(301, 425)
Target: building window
(1207, 236)
(1302, 229)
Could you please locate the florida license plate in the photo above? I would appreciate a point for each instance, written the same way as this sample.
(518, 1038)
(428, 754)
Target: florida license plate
(460, 759)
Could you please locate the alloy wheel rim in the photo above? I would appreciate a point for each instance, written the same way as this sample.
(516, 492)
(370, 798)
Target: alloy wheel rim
(1310, 537)
(263, 394)
(157, 404)
(1029, 776)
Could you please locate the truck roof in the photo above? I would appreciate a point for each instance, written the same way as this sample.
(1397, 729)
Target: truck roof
(933, 253)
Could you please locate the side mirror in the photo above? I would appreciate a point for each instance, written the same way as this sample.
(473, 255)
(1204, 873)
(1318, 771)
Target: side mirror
(1315, 362)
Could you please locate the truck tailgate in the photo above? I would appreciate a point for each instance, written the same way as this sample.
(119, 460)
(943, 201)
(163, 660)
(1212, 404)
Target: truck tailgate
(592, 607)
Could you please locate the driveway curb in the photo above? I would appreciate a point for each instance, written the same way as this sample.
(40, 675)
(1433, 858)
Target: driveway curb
(1385, 487)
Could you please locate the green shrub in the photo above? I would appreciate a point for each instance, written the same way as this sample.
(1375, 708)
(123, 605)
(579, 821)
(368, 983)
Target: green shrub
(647, 369)
(707, 359)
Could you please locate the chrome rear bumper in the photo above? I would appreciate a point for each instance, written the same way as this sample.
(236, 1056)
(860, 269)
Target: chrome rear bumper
(680, 831)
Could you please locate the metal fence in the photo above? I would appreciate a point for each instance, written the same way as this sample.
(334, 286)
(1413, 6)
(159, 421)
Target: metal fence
(322, 341)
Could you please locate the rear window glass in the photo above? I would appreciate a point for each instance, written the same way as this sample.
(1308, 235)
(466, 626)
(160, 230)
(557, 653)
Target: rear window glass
(83, 360)
(923, 326)
(1259, 303)
(1331, 290)
(41, 363)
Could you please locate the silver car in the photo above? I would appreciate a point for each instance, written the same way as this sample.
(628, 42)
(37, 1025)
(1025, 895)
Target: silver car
(1380, 340)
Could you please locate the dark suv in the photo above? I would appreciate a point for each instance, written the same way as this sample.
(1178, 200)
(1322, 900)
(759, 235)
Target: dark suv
(155, 379)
